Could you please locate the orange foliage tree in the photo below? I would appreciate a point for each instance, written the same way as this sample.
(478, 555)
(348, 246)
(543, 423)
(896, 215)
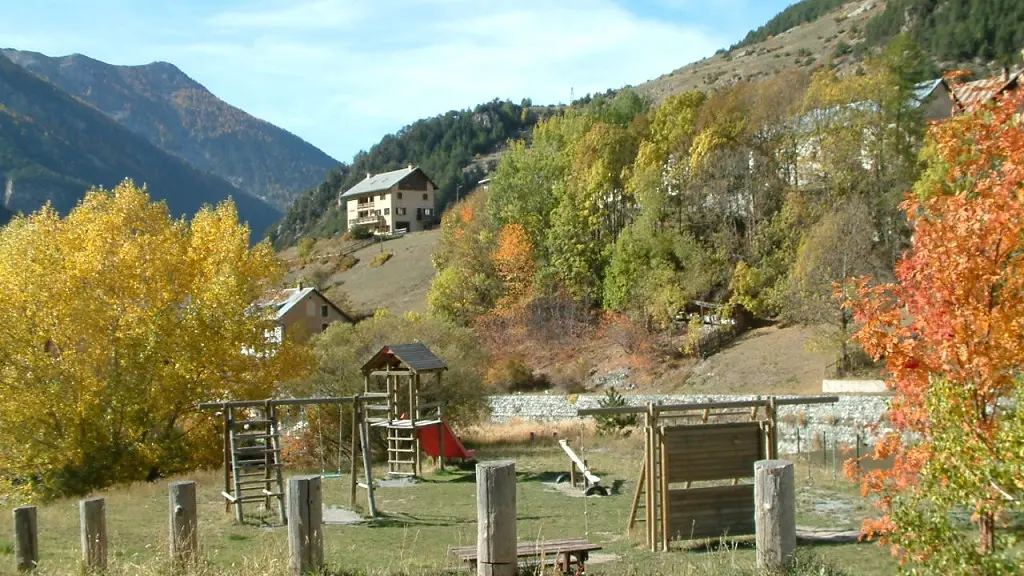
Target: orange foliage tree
(951, 329)
(513, 262)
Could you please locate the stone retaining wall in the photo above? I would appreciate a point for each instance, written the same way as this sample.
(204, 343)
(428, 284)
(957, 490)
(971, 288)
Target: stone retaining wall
(842, 422)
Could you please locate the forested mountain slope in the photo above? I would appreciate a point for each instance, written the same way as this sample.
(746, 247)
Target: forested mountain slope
(449, 147)
(174, 112)
(54, 147)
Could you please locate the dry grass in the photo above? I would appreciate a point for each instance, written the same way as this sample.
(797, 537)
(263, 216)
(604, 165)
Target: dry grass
(420, 522)
(526, 432)
(380, 259)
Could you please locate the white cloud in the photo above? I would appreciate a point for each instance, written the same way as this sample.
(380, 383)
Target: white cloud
(407, 59)
(313, 15)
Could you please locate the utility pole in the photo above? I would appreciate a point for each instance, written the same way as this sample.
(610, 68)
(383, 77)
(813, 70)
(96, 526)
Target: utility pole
(457, 188)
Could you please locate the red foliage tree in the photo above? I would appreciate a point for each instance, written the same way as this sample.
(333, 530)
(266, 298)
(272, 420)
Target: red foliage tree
(951, 329)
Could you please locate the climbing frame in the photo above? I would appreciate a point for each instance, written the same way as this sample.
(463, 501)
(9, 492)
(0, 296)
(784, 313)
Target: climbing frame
(714, 444)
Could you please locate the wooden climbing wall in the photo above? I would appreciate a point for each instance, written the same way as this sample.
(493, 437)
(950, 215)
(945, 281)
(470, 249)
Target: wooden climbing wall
(710, 452)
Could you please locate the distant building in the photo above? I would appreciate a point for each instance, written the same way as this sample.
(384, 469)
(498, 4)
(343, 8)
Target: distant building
(934, 98)
(304, 307)
(391, 201)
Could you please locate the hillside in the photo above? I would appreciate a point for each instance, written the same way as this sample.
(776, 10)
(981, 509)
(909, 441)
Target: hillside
(977, 35)
(452, 148)
(174, 112)
(400, 285)
(790, 43)
(53, 147)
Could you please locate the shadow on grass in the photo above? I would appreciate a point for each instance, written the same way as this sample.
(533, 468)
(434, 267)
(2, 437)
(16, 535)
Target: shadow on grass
(403, 520)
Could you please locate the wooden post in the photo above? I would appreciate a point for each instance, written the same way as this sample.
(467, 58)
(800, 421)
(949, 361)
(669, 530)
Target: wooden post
(364, 440)
(774, 514)
(93, 521)
(572, 471)
(773, 428)
(663, 454)
(26, 539)
(352, 450)
(305, 525)
(414, 410)
(440, 416)
(648, 464)
(184, 537)
(226, 412)
(496, 518)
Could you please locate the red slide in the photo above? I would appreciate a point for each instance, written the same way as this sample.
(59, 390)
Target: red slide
(452, 447)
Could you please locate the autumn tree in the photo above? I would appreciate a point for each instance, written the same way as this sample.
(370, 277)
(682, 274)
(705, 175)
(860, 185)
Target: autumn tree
(951, 329)
(837, 249)
(118, 320)
(466, 285)
(514, 264)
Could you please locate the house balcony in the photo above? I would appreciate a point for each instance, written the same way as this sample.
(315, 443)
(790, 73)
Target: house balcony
(371, 219)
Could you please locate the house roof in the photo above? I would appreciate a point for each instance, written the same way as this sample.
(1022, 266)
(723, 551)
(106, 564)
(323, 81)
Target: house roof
(383, 181)
(922, 90)
(980, 91)
(285, 299)
(416, 357)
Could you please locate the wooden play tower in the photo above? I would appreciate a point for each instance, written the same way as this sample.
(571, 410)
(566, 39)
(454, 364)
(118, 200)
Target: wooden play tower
(402, 395)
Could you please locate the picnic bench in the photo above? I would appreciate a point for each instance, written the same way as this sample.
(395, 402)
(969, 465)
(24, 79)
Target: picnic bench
(562, 553)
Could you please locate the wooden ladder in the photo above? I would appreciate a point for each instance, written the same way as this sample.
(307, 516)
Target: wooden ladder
(401, 451)
(256, 462)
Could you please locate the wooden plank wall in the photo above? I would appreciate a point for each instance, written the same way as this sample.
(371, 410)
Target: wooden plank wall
(711, 512)
(702, 452)
(713, 451)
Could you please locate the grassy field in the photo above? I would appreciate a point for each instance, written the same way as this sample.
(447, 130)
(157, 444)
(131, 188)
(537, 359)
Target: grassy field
(421, 521)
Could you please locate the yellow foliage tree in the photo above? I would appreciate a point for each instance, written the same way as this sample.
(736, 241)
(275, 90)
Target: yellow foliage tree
(118, 320)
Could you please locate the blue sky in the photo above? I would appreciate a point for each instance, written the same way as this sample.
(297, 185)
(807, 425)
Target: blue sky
(343, 73)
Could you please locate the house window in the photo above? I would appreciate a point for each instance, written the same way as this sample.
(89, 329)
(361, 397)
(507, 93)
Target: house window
(399, 195)
(424, 195)
(323, 327)
(419, 213)
(400, 211)
(323, 311)
(387, 211)
(382, 196)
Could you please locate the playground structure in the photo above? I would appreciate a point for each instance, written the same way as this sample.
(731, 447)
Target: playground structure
(407, 378)
(719, 452)
(591, 482)
(252, 430)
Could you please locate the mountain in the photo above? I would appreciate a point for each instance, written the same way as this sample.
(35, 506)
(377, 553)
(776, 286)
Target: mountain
(455, 149)
(956, 31)
(174, 112)
(979, 35)
(53, 148)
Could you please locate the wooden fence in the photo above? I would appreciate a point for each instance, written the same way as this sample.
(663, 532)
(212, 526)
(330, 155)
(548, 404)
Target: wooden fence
(305, 528)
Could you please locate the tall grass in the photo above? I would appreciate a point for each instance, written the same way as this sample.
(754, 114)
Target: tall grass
(721, 562)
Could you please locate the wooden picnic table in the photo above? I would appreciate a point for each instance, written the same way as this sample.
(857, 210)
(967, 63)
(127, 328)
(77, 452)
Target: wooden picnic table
(565, 552)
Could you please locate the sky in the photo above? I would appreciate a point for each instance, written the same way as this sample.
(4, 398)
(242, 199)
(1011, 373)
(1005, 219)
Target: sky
(343, 73)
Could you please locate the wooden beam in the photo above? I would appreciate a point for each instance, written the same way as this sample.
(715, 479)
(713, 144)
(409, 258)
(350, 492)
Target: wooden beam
(641, 478)
(275, 402)
(802, 400)
(352, 452)
(579, 463)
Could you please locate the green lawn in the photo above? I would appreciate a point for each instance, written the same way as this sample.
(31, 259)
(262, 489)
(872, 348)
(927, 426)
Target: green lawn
(421, 521)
